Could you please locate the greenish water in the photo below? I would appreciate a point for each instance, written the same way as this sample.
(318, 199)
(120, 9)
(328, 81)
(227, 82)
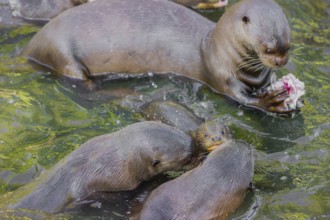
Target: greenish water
(42, 120)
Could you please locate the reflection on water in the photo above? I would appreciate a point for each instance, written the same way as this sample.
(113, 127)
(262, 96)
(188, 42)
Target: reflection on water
(42, 120)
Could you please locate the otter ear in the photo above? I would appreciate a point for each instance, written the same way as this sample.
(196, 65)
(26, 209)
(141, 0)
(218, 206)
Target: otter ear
(154, 163)
(246, 19)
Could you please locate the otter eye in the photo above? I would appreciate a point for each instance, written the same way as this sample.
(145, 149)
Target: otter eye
(222, 132)
(246, 19)
(269, 51)
(155, 163)
(206, 135)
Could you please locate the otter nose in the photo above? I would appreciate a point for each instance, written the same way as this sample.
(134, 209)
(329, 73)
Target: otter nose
(280, 61)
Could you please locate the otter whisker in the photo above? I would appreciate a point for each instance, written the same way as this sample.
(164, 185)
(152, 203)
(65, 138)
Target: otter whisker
(250, 63)
(260, 66)
(249, 59)
(253, 66)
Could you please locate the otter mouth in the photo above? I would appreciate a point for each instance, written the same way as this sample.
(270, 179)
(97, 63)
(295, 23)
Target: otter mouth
(214, 146)
(274, 61)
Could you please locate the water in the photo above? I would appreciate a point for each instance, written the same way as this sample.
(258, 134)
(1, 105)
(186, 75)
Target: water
(42, 120)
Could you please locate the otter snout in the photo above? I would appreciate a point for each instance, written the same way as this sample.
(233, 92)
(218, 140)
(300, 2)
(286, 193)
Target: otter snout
(281, 61)
(275, 54)
(274, 60)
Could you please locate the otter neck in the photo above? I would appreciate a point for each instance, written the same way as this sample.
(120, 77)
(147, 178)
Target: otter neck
(228, 56)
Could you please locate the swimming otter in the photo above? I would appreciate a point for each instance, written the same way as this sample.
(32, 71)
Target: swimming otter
(112, 162)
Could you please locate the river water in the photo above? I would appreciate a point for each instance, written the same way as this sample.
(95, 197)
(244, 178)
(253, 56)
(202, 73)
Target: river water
(43, 119)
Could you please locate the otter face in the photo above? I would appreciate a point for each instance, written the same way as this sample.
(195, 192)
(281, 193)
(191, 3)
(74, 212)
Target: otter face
(161, 147)
(211, 134)
(274, 54)
(266, 31)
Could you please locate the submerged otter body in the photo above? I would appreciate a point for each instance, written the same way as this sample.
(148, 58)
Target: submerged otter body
(211, 191)
(173, 114)
(112, 162)
(234, 56)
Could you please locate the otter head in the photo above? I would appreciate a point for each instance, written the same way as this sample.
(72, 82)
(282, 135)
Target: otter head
(210, 135)
(170, 157)
(263, 31)
(164, 148)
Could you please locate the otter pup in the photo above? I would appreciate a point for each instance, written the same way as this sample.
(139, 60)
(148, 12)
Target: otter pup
(211, 191)
(235, 56)
(112, 162)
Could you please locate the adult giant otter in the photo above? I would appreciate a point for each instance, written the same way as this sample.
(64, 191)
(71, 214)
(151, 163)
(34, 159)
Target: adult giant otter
(234, 56)
(44, 10)
(211, 191)
(112, 162)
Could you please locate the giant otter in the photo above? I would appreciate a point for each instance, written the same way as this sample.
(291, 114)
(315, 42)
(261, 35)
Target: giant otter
(235, 56)
(211, 191)
(112, 162)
